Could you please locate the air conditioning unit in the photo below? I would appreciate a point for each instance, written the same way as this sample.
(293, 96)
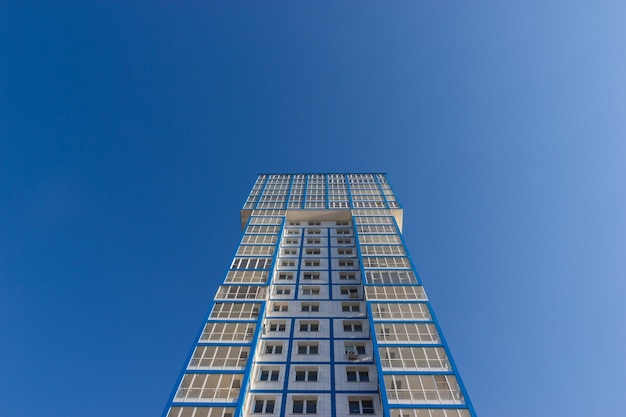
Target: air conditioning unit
(352, 354)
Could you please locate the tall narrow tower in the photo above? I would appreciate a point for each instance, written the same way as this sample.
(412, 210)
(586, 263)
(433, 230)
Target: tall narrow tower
(321, 312)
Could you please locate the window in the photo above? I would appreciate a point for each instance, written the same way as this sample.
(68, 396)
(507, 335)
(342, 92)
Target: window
(431, 358)
(294, 223)
(315, 223)
(386, 262)
(391, 277)
(357, 375)
(227, 332)
(314, 231)
(311, 291)
(313, 241)
(285, 276)
(352, 292)
(401, 311)
(344, 262)
(341, 223)
(306, 374)
(291, 241)
(350, 326)
(240, 292)
(311, 276)
(310, 307)
(288, 263)
(232, 311)
(293, 232)
(259, 239)
(308, 349)
(283, 291)
(251, 263)
(343, 231)
(345, 275)
(280, 307)
(407, 332)
(396, 292)
(383, 250)
(290, 252)
(350, 307)
(263, 406)
(273, 349)
(305, 406)
(309, 326)
(355, 349)
(311, 263)
(277, 326)
(255, 250)
(206, 357)
(344, 241)
(344, 251)
(204, 387)
(269, 375)
(248, 277)
(438, 388)
(361, 406)
(315, 251)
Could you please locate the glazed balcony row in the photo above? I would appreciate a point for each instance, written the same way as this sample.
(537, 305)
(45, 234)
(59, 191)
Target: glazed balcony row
(386, 333)
(340, 309)
(320, 250)
(256, 292)
(373, 277)
(209, 411)
(393, 358)
(320, 202)
(313, 269)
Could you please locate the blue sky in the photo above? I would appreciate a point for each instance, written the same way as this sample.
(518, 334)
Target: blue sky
(130, 135)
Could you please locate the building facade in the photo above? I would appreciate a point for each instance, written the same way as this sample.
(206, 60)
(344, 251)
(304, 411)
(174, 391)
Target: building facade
(320, 313)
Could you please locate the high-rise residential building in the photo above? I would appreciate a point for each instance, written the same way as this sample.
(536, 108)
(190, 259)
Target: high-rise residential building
(321, 312)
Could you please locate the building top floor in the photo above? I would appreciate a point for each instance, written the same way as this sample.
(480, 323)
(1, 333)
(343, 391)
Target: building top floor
(301, 193)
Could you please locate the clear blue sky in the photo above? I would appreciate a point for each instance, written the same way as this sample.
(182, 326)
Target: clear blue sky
(131, 132)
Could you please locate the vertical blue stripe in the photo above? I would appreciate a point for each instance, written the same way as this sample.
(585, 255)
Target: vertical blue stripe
(245, 384)
(283, 403)
(466, 398)
(333, 405)
(379, 366)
